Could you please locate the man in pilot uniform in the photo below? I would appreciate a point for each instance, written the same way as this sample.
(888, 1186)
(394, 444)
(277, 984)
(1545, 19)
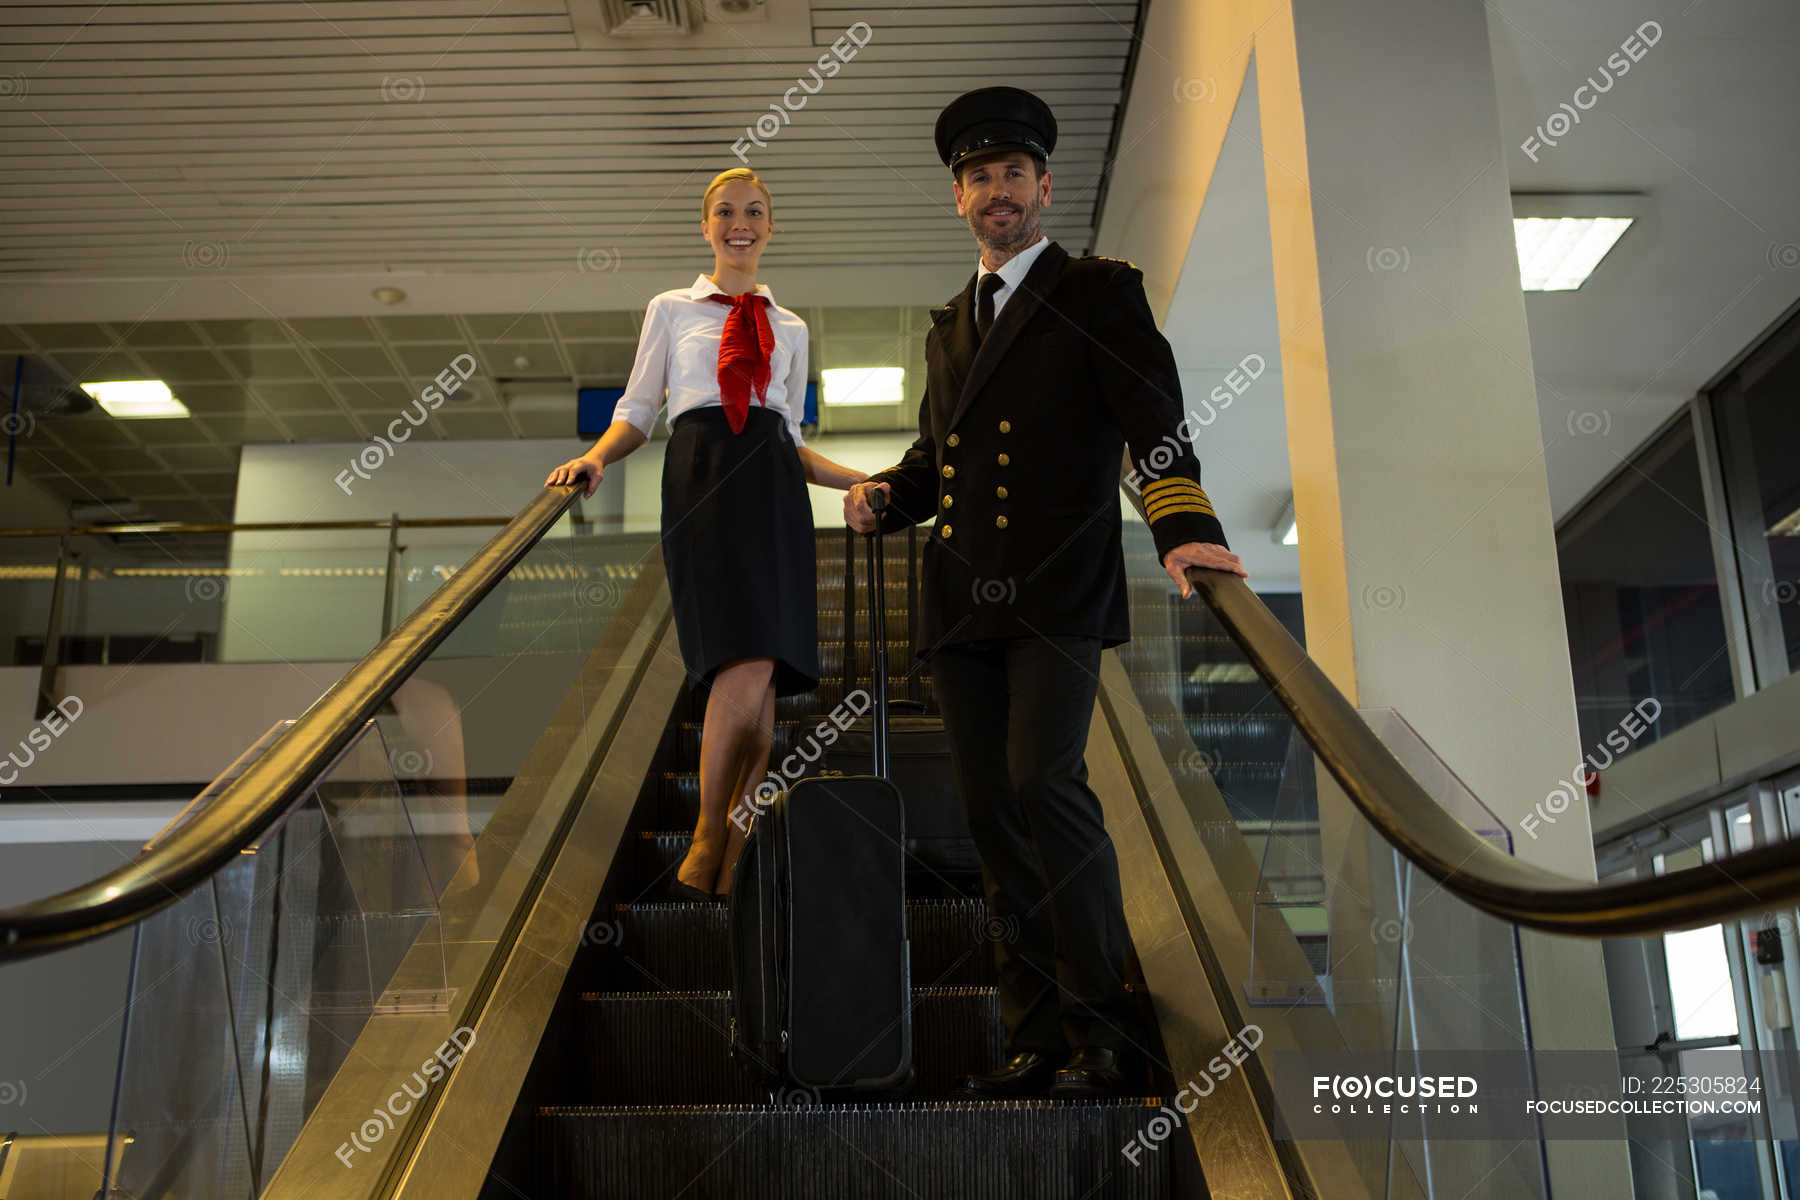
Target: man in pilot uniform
(1038, 374)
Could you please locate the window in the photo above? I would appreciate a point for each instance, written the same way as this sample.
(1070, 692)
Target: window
(1641, 597)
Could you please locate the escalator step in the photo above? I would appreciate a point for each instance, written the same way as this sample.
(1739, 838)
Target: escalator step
(681, 947)
(1022, 1150)
(656, 855)
(675, 1047)
(821, 699)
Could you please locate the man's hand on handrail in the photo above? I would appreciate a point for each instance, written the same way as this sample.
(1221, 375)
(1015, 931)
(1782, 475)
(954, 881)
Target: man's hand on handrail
(1199, 554)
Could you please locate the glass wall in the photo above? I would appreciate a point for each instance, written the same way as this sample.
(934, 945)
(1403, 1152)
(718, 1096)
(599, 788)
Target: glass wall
(1758, 412)
(1641, 596)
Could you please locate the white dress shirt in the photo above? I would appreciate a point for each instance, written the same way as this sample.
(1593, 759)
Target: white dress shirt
(679, 351)
(1011, 272)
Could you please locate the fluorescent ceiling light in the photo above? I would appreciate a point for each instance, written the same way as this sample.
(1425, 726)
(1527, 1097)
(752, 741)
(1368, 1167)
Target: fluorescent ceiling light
(863, 385)
(1287, 528)
(136, 398)
(1557, 254)
(539, 395)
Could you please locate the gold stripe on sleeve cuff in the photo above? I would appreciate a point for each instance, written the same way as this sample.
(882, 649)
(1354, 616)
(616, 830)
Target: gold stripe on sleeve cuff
(1180, 508)
(1164, 501)
(1170, 488)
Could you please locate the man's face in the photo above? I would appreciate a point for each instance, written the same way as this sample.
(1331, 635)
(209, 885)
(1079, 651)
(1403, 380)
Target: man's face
(1000, 196)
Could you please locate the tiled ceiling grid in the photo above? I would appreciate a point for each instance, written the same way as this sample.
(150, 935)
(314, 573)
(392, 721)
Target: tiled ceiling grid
(345, 379)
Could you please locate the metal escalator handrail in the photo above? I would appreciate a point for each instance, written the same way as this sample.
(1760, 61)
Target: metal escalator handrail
(1407, 816)
(255, 800)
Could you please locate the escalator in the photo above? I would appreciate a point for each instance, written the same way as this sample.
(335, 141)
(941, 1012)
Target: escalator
(634, 1092)
(356, 1014)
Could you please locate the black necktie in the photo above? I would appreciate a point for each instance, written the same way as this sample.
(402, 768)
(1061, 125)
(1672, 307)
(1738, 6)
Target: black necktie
(984, 306)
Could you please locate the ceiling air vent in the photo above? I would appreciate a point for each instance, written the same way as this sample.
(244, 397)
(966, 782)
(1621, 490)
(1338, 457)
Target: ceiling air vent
(644, 18)
(733, 25)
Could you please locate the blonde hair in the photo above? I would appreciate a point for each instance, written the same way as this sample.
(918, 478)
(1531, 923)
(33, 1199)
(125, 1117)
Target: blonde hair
(736, 175)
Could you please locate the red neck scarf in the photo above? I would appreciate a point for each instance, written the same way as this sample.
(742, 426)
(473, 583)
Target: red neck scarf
(744, 349)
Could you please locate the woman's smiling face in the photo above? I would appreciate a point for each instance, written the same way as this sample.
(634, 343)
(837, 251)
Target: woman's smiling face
(738, 224)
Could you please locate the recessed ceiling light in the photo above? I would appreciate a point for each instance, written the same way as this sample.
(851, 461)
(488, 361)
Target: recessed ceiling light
(863, 385)
(136, 398)
(1557, 254)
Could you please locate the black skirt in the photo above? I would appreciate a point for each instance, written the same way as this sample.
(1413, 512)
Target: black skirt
(737, 542)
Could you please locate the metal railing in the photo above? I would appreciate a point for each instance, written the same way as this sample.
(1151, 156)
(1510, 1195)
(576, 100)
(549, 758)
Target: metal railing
(1467, 865)
(275, 781)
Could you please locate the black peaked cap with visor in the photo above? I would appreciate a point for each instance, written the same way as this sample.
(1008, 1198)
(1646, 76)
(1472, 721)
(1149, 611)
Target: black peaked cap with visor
(993, 120)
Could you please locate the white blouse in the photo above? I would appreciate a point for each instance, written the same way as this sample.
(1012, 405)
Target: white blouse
(679, 350)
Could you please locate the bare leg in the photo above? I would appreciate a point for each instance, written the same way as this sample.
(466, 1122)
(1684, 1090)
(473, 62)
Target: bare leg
(756, 767)
(733, 713)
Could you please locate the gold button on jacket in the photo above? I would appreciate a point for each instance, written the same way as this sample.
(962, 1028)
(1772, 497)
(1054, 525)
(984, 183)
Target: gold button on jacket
(1000, 521)
(949, 471)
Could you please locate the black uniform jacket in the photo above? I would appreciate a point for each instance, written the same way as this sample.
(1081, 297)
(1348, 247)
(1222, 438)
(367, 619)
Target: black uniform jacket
(1018, 458)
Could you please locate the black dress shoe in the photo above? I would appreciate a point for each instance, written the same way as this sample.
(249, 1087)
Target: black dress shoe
(1090, 1071)
(1025, 1074)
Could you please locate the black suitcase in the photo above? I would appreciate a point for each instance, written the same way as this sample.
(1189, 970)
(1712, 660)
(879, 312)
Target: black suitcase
(937, 831)
(820, 976)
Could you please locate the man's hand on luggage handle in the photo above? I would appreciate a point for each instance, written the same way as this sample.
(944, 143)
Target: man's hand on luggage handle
(1199, 554)
(857, 513)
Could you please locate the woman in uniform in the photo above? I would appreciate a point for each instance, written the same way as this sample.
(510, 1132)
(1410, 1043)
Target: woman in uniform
(737, 527)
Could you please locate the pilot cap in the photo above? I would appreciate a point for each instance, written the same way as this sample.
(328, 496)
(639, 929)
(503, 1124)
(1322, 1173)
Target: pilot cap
(993, 120)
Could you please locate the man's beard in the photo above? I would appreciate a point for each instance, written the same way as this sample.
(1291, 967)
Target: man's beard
(1023, 233)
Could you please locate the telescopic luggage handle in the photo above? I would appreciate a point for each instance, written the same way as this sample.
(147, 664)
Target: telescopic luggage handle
(878, 664)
